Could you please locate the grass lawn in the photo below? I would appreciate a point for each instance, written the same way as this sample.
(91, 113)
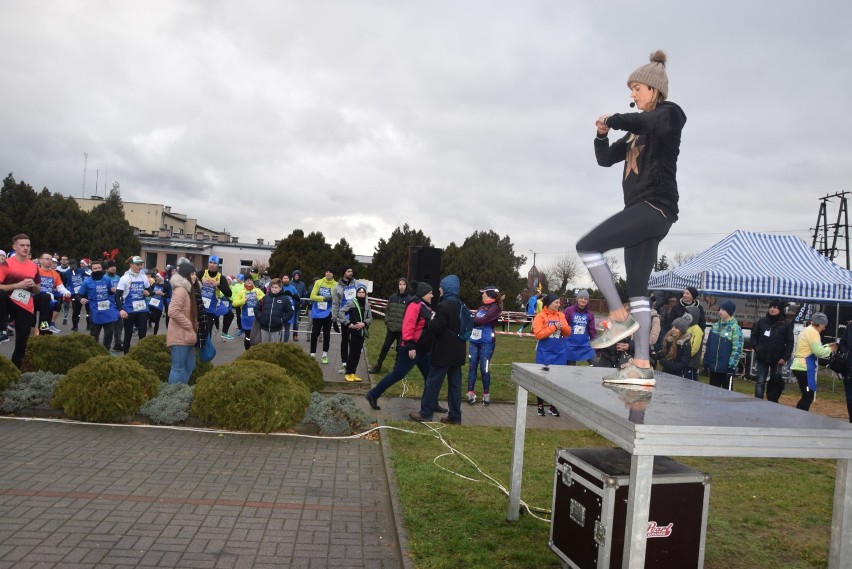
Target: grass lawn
(768, 513)
(773, 513)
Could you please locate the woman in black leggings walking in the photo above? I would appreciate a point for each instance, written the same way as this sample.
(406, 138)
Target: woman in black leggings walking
(649, 151)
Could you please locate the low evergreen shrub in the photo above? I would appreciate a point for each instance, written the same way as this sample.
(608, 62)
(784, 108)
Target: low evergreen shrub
(336, 416)
(293, 359)
(9, 372)
(105, 388)
(170, 405)
(58, 354)
(32, 389)
(251, 396)
(151, 352)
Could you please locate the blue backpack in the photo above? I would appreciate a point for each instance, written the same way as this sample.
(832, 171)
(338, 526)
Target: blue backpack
(465, 322)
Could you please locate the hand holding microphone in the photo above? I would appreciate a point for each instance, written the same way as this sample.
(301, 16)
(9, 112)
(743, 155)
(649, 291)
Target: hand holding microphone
(600, 124)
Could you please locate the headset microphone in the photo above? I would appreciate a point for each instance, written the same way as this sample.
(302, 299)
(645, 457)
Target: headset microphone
(632, 105)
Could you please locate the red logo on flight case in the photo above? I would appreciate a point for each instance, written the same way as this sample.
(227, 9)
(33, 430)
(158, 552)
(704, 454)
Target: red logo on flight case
(656, 531)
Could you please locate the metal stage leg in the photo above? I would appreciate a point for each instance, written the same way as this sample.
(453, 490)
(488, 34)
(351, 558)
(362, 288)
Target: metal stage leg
(840, 548)
(518, 456)
(638, 509)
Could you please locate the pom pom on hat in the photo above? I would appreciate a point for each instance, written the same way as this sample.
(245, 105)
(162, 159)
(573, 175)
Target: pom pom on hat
(653, 74)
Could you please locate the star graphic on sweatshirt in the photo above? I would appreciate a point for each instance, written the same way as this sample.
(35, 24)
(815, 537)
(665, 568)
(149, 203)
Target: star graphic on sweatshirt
(632, 162)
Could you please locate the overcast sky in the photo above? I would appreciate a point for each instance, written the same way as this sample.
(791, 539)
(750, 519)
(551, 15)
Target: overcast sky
(353, 118)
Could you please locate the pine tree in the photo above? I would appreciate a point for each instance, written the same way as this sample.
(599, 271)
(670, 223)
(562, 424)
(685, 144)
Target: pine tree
(390, 260)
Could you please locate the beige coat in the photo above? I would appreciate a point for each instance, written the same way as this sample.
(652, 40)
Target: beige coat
(182, 325)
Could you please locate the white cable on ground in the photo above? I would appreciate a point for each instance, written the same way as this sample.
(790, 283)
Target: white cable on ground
(493, 481)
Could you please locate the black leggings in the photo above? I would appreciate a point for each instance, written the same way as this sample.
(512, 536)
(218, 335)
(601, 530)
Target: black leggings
(323, 324)
(639, 230)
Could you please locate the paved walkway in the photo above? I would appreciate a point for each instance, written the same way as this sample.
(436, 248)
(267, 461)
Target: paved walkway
(95, 496)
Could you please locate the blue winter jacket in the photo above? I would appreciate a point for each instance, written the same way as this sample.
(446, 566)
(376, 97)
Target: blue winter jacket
(724, 347)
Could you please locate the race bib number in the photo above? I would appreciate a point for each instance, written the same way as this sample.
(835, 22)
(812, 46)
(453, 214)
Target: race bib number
(20, 295)
(206, 301)
(322, 306)
(103, 305)
(767, 333)
(349, 293)
(250, 311)
(155, 303)
(138, 305)
(476, 334)
(556, 334)
(579, 329)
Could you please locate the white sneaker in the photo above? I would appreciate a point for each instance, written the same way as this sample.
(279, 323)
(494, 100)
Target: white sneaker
(613, 332)
(631, 374)
(471, 397)
(54, 329)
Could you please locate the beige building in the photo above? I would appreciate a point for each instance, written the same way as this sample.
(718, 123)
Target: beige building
(155, 218)
(166, 235)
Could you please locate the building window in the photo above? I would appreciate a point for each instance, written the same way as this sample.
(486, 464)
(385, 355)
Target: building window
(150, 261)
(245, 266)
(171, 259)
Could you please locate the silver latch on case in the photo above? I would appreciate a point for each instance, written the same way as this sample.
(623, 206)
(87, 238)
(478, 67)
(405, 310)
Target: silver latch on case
(566, 475)
(600, 533)
(577, 512)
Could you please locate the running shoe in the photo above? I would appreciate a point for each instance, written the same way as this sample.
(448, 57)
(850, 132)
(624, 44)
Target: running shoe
(554, 411)
(64, 321)
(225, 336)
(44, 327)
(486, 399)
(471, 397)
(324, 359)
(540, 411)
(613, 332)
(352, 377)
(342, 368)
(4, 337)
(54, 330)
(631, 374)
(239, 333)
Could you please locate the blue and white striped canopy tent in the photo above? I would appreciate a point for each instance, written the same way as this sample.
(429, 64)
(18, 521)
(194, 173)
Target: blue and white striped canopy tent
(759, 264)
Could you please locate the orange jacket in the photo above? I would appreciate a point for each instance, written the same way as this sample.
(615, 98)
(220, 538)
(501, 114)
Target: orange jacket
(543, 327)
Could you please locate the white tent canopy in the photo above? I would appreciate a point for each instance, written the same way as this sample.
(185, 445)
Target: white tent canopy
(759, 264)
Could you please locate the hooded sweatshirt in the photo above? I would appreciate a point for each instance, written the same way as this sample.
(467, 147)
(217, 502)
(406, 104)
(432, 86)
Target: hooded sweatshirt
(649, 151)
(448, 350)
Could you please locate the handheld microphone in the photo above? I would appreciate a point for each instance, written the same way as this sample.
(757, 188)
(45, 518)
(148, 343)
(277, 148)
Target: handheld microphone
(632, 104)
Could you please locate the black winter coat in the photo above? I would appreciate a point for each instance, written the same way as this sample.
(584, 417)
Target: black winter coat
(447, 349)
(772, 339)
(681, 360)
(275, 310)
(679, 310)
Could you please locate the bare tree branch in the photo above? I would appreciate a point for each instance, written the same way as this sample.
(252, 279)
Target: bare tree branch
(562, 272)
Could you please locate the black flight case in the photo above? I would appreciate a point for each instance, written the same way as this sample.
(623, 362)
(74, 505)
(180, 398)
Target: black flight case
(590, 510)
